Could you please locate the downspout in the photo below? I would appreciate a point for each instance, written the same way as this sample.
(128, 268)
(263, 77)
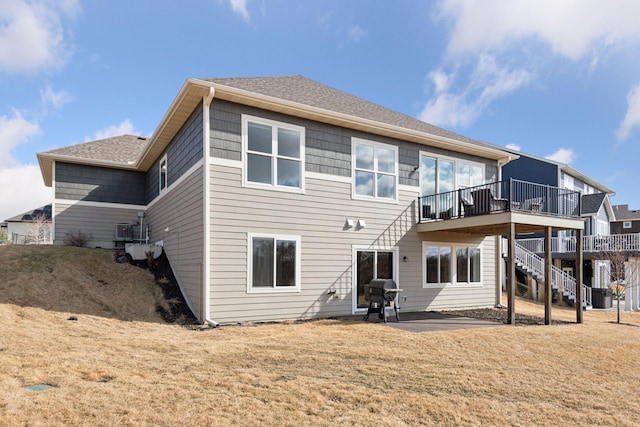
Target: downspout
(206, 257)
(53, 203)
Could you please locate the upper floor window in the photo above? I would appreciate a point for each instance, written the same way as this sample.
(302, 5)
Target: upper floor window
(440, 175)
(626, 224)
(162, 173)
(273, 153)
(375, 170)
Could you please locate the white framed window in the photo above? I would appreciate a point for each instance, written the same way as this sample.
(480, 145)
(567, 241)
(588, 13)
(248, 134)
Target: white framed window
(602, 228)
(375, 170)
(273, 154)
(273, 263)
(447, 264)
(626, 224)
(162, 173)
(443, 174)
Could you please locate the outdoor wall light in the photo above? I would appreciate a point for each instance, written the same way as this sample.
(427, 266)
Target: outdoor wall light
(348, 223)
(361, 223)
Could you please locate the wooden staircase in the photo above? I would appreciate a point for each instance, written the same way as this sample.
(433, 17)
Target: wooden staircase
(531, 264)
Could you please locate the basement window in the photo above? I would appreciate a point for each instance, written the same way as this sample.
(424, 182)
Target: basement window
(274, 263)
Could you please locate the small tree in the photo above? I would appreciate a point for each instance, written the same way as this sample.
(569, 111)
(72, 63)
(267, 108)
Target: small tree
(40, 229)
(4, 236)
(623, 275)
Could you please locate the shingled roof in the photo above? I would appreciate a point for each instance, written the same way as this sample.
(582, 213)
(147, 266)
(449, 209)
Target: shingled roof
(44, 211)
(305, 91)
(591, 203)
(293, 95)
(124, 149)
(623, 213)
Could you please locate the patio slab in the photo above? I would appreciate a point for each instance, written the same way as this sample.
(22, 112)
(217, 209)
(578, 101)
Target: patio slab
(429, 321)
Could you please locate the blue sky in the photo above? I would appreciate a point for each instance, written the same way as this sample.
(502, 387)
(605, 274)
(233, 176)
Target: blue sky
(554, 78)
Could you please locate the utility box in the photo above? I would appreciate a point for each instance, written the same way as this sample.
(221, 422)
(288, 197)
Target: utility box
(601, 297)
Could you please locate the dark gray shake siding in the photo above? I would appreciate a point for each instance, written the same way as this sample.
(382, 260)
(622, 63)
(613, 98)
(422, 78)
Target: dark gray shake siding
(327, 147)
(184, 151)
(97, 184)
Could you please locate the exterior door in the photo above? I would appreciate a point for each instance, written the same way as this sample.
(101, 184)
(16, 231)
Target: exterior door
(371, 264)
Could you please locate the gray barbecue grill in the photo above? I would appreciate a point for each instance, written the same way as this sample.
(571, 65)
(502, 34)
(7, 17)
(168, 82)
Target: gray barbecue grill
(381, 293)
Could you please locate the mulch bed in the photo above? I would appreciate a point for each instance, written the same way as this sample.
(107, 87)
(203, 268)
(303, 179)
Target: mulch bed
(499, 315)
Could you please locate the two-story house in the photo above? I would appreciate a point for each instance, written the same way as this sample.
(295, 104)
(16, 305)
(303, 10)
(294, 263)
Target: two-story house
(281, 198)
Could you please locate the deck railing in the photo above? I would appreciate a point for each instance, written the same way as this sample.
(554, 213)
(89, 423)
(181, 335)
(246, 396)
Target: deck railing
(596, 243)
(501, 196)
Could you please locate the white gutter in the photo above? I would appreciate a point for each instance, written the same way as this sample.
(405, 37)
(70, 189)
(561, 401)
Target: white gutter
(206, 257)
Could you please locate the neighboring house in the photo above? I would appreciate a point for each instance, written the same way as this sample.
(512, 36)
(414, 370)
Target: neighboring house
(625, 221)
(596, 210)
(281, 198)
(32, 227)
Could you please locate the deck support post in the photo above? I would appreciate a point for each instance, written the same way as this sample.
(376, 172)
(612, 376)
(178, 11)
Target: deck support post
(511, 274)
(579, 275)
(548, 293)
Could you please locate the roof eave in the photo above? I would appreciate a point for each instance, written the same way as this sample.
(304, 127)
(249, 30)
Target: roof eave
(587, 180)
(305, 111)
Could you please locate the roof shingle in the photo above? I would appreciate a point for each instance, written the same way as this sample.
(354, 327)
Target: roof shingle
(125, 149)
(308, 92)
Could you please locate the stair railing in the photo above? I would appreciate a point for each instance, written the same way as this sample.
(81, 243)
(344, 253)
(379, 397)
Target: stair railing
(562, 280)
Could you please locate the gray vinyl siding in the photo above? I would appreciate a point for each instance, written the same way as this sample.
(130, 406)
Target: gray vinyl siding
(318, 217)
(176, 218)
(184, 151)
(97, 221)
(531, 170)
(98, 184)
(327, 147)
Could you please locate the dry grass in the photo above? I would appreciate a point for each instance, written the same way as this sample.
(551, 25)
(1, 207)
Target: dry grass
(111, 371)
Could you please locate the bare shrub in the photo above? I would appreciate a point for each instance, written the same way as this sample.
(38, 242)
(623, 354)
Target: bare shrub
(77, 238)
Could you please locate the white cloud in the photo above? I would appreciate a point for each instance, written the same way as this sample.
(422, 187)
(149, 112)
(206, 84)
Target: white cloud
(240, 7)
(632, 117)
(441, 80)
(126, 127)
(461, 106)
(57, 100)
(32, 35)
(571, 28)
(14, 130)
(355, 33)
(513, 147)
(524, 32)
(563, 155)
(22, 189)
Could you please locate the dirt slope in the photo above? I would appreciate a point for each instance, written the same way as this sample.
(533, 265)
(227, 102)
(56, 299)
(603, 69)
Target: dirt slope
(78, 281)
